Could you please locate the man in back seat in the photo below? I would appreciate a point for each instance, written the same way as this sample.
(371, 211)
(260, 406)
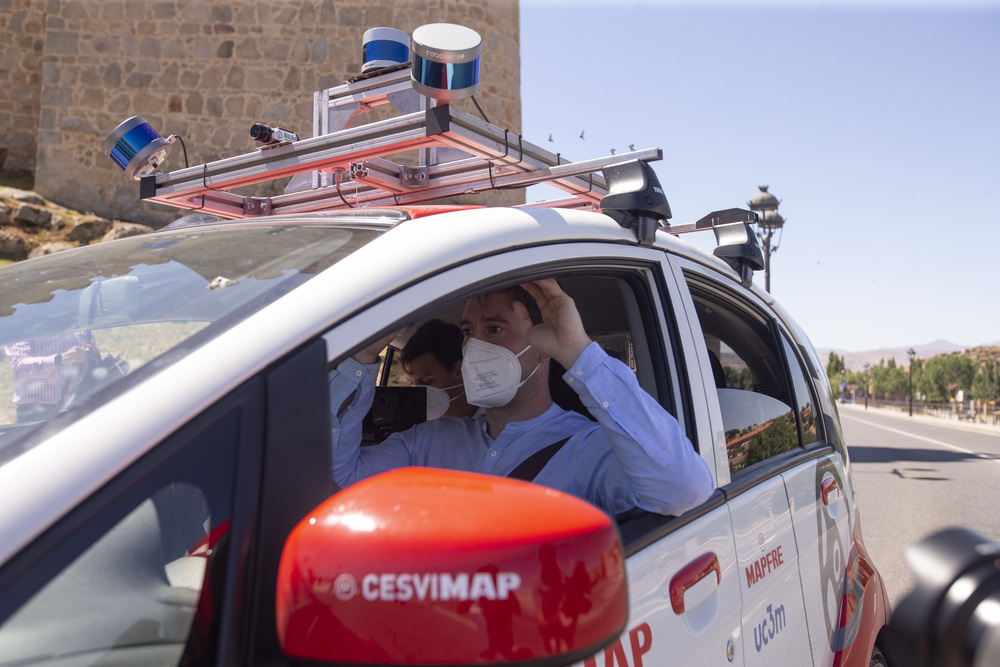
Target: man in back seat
(634, 456)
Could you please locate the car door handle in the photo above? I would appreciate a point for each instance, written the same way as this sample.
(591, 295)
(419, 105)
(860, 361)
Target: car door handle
(691, 574)
(830, 490)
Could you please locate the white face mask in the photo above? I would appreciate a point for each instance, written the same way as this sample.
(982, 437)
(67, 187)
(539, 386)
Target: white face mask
(491, 373)
(438, 400)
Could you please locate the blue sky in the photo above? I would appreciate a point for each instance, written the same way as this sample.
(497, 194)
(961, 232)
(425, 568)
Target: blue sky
(877, 125)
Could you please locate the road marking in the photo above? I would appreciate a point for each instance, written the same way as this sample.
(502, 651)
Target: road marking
(926, 439)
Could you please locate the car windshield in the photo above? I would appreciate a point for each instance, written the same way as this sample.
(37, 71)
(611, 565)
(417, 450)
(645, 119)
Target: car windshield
(75, 322)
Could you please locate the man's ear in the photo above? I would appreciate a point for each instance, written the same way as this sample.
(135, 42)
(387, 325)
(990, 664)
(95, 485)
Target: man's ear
(456, 368)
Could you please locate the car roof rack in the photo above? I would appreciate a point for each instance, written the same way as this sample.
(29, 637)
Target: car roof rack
(344, 167)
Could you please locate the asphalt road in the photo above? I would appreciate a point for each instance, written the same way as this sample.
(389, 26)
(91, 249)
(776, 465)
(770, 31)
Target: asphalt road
(916, 476)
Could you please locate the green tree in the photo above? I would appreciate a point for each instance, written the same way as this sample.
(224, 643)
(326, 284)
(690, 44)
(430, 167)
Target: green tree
(986, 384)
(834, 366)
(932, 381)
(963, 370)
(888, 379)
(944, 375)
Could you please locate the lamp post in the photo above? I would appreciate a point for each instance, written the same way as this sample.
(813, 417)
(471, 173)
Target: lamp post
(912, 354)
(866, 385)
(770, 221)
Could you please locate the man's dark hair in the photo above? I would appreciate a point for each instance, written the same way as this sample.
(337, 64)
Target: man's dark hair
(441, 339)
(518, 293)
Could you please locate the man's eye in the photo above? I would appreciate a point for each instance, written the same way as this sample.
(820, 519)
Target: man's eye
(495, 329)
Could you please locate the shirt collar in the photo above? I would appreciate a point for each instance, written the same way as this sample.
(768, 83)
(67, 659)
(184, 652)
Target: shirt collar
(516, 428)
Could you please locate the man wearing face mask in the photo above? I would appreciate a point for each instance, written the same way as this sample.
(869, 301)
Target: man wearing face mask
(634, 456)
(432, 358)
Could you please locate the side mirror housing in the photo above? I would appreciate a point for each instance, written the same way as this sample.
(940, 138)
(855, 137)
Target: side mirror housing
(420, 566)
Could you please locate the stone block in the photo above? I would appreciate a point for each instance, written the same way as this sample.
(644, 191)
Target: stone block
(30, 216)
(12, 246)
(138, 80)
(120, 230)
(89, 230)
(64, 42)
(319, 51)
(203, 49)
(112, 76)
(50, 248)
(234, 79)
(164, 10)
(22, 196)
(56, 96)
(222, 13)
(196, 12)
(247, 50)
(149, 47)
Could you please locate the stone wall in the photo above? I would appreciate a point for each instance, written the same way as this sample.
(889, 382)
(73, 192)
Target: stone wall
(22, 30)
(205, 71)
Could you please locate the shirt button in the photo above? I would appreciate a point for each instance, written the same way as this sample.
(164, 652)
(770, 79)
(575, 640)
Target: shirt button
(571, 380)
(493, 453)
(579, 371)
(358, 373)
(606, 404)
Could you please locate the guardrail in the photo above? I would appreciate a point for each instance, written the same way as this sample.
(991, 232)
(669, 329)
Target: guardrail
(960, 412)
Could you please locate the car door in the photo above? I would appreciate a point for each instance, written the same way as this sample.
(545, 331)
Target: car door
(738, 340)
(684, 595)
(683, 577)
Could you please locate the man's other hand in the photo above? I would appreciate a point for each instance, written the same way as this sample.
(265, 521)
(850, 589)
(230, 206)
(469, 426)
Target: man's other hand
(560, 334)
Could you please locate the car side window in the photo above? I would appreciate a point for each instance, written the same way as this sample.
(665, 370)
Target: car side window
(748, 365)
(804, 403)
(615, 311)
(139, 580)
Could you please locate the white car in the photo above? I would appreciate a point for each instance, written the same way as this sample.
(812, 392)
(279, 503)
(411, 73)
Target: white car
(173, 502)
(113, 510)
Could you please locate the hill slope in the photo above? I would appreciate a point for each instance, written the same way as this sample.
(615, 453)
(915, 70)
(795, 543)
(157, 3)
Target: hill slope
(31, 225)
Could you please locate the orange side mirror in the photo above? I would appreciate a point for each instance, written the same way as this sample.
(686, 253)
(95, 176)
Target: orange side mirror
(419, 566)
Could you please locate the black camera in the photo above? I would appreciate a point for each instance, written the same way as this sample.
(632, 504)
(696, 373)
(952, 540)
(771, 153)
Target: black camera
(952, 616)
(393, 409)
(267, 135)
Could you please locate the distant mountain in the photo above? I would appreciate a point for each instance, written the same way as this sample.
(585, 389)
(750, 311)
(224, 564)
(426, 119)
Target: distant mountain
(855, 361)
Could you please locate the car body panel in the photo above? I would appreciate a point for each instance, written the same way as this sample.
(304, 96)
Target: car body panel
(700, 634)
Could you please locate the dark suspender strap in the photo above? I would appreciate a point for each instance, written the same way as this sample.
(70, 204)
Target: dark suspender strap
(531, 466)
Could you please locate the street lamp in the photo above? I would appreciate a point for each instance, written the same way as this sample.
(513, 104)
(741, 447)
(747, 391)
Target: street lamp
(769, 222)
(866, 385)
(912, 354)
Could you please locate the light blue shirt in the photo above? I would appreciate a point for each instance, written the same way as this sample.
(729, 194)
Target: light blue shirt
(635, 456)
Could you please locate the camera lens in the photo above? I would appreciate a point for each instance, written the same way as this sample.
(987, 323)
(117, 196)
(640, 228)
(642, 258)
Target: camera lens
(260, 132)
